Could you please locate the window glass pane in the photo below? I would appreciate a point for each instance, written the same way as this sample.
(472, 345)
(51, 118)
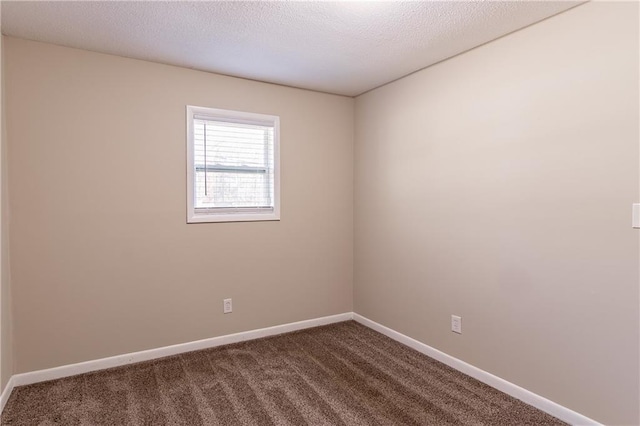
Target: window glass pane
(229, 189)
(231, 144)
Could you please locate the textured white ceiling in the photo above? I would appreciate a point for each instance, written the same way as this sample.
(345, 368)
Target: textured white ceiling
(337, 47)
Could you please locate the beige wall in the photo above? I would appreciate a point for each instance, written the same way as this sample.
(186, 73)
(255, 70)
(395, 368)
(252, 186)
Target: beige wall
(498, 186)
(102, 260)
(6, 351)
(6, 329)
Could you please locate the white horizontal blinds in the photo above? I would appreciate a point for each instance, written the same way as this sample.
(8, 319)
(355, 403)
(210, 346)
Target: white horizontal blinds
(233, 165)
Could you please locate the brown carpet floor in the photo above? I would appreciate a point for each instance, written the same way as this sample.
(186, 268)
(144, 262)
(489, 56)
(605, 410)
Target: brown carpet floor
(341, 374)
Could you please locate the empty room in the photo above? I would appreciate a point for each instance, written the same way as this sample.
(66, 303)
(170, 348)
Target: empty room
(320, 213)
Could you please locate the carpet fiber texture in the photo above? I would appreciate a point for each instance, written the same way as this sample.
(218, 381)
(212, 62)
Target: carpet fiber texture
(340, 374)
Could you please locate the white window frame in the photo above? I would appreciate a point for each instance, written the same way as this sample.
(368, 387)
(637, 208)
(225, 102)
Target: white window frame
(232, 215)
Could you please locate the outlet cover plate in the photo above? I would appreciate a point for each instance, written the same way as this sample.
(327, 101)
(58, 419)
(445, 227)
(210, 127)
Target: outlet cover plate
(456, 324)
(227, 306)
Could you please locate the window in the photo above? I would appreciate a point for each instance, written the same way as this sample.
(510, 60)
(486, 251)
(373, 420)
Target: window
(232, 166)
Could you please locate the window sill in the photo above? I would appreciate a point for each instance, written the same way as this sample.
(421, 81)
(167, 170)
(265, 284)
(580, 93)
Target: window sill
(232, 217)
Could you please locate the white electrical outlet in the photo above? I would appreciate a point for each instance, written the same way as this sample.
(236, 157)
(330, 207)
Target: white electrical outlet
(456, 324)
(228, 306)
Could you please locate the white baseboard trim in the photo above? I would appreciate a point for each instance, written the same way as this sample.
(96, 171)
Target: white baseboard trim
(556, 410)
(541, 403)
(131, 358)
(6, 393)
